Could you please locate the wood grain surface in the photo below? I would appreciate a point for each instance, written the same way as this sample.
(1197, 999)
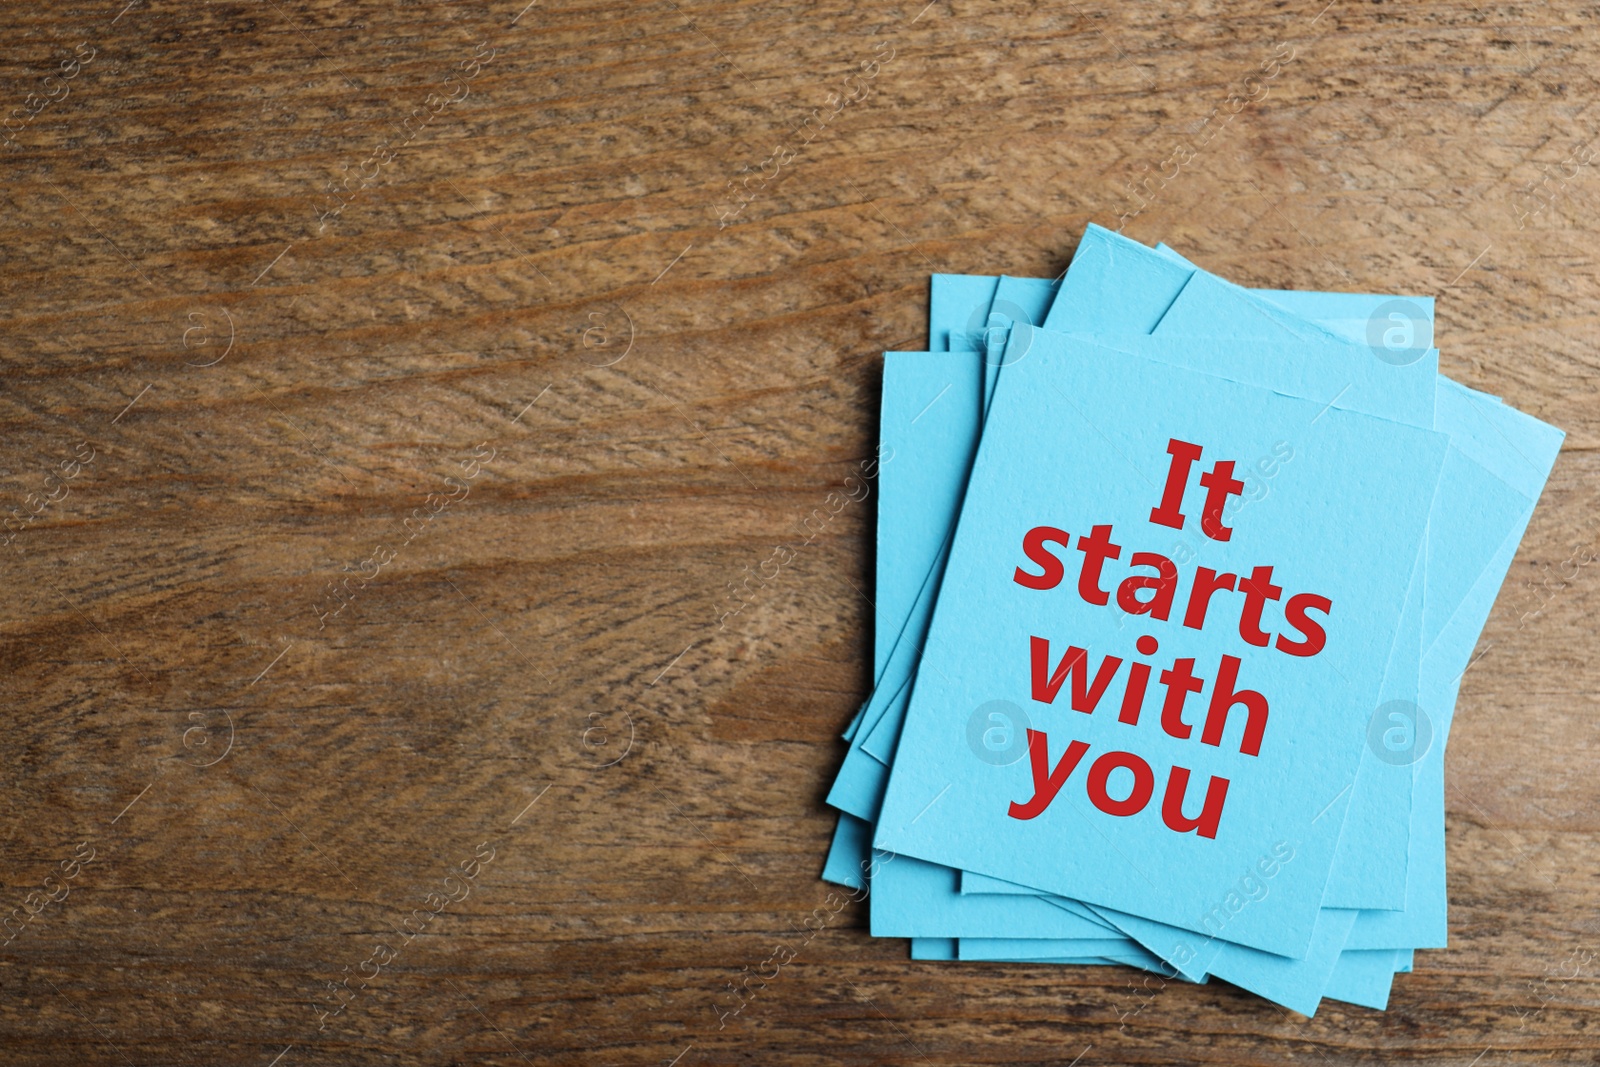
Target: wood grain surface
(399, 397)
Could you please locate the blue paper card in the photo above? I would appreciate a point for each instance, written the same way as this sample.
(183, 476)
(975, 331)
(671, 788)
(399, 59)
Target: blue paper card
(1343, 530)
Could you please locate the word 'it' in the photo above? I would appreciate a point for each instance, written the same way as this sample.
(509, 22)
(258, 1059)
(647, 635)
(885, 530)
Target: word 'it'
(1219, 484)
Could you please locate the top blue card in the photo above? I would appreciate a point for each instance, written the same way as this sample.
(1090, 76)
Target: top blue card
(1141, 688)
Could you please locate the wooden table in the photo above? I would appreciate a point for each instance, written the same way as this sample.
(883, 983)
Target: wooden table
(397, 395)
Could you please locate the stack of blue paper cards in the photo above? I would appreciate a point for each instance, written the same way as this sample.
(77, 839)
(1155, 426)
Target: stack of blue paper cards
(1176, 584)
